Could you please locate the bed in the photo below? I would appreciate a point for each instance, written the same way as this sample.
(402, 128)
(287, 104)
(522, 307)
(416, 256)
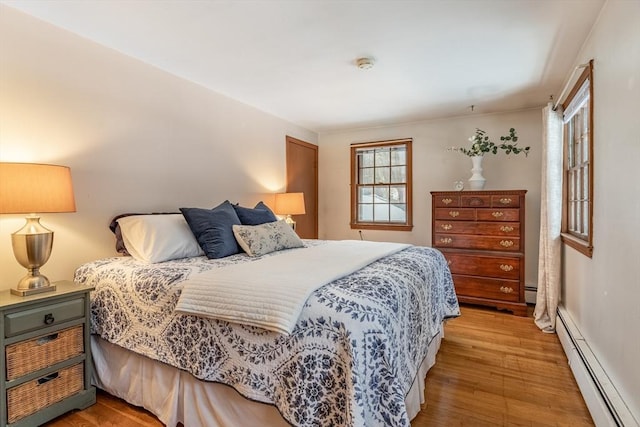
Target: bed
(356, 355)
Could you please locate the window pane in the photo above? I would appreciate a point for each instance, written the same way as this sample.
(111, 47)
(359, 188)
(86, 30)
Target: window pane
(365, 212)
(397, 194)
(382, 157)
(399, 156)
(366, 159)
(398, 212)
(365, 195)
(585, 182)
(585, 217)
(381, 195)
(382, 176)
(366, 176)
(398, 174)
(381, 213)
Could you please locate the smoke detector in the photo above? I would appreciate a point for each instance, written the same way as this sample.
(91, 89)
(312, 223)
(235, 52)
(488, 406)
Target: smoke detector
(364, 63)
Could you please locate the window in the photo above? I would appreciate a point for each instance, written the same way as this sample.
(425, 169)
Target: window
(381, 185)
(577, 224)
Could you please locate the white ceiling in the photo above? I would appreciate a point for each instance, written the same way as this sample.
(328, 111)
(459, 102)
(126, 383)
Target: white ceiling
(296, 59)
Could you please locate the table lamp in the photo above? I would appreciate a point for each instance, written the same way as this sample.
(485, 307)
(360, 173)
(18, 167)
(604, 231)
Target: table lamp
(34, 188)
(289, 204)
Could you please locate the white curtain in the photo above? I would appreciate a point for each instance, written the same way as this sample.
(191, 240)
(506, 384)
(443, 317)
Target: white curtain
(550, 221)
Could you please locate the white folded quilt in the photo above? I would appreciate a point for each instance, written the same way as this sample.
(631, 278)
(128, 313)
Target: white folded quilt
(271, 292)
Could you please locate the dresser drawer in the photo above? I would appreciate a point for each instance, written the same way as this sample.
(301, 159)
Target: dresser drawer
(32, 396)
(480, 228)
(456, 214)
(466, 241)
(475, 201)
(29, 356)
(479, 265)
(498, 215)
(481, 287)
(505, 201)
(446, 201)
(45, 315)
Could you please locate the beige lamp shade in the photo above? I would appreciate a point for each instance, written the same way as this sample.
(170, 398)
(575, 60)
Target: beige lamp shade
(30, 188)
(289, 204)
(35, 188)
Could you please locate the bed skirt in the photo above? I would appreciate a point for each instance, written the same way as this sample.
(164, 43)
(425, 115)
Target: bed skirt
(176, 396)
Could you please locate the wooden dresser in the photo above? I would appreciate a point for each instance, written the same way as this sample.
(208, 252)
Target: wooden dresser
(481, 234)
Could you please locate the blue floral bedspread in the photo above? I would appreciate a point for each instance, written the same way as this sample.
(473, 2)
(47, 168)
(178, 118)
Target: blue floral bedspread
(350, 360)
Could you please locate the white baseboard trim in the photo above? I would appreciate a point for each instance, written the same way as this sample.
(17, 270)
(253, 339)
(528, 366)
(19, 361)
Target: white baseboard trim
(605, 404)
(530, 294)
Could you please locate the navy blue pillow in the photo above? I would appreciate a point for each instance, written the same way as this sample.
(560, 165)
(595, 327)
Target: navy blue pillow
(256, 216)
(213, 229)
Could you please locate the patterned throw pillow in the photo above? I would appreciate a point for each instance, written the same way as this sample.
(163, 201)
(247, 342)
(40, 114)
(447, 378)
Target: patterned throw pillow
(257, 240)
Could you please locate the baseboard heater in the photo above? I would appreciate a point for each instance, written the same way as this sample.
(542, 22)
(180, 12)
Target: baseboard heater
(605, 404)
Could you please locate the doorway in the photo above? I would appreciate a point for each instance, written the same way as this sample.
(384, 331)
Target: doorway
(302, 176)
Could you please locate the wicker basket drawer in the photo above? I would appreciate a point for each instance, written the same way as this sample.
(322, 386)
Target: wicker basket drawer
(28, 356)
(32, 396)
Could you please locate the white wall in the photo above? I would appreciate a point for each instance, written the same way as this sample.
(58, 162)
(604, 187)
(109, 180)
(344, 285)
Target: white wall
(435, 168)
(136, 139)
(602, 294)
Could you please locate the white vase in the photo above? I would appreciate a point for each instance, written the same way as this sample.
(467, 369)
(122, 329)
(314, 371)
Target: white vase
(477, 181)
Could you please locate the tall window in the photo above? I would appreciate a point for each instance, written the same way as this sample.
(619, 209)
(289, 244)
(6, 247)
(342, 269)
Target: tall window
(578, 161)
(381, 185)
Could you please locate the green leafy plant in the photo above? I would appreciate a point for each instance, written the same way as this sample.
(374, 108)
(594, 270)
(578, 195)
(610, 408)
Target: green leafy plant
(481, 144)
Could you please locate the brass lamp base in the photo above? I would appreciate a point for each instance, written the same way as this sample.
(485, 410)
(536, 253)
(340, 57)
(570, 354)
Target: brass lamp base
(32, 291)
(32, 247)
(290, 221)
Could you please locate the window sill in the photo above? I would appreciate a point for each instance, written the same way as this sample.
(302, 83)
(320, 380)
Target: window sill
(579, 245)
(388, 227)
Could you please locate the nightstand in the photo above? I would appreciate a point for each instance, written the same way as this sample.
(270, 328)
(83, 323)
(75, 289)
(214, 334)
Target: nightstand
(46, 356)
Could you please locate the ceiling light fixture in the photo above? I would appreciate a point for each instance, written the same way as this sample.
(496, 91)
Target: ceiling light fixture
(364, 63)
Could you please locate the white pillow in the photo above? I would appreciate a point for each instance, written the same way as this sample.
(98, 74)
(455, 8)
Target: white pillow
(265, 238)
(157, 238)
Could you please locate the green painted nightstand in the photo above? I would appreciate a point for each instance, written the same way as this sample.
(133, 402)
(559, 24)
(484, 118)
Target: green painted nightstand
(46, 355)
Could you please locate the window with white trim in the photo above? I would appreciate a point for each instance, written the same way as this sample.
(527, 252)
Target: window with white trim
(381, 185)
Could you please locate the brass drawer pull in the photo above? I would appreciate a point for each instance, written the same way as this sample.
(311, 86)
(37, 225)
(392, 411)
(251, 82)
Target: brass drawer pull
(497, 214)
(454, 214)
(506, 267)
(447, 201)
(446, 226)
(505, 201)
(506, 290)
(446, 240)
(506, 243)
(449, 262)
(506, 229)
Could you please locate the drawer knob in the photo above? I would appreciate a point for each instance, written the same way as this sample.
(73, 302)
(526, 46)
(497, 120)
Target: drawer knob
(506, 243)
(506, 290)
(505, 201)
(476, 201)
(454, 214)
(449, 262)
(506, 267)
(497, 214)
(446, 226)
(446, 240)
(506, 229)
(447, 201)
(49, 319)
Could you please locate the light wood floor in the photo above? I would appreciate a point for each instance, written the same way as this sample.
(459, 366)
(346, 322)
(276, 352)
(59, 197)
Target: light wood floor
(493, 369)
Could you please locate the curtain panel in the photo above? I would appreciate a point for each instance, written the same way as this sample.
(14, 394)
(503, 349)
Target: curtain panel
(549, 261)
